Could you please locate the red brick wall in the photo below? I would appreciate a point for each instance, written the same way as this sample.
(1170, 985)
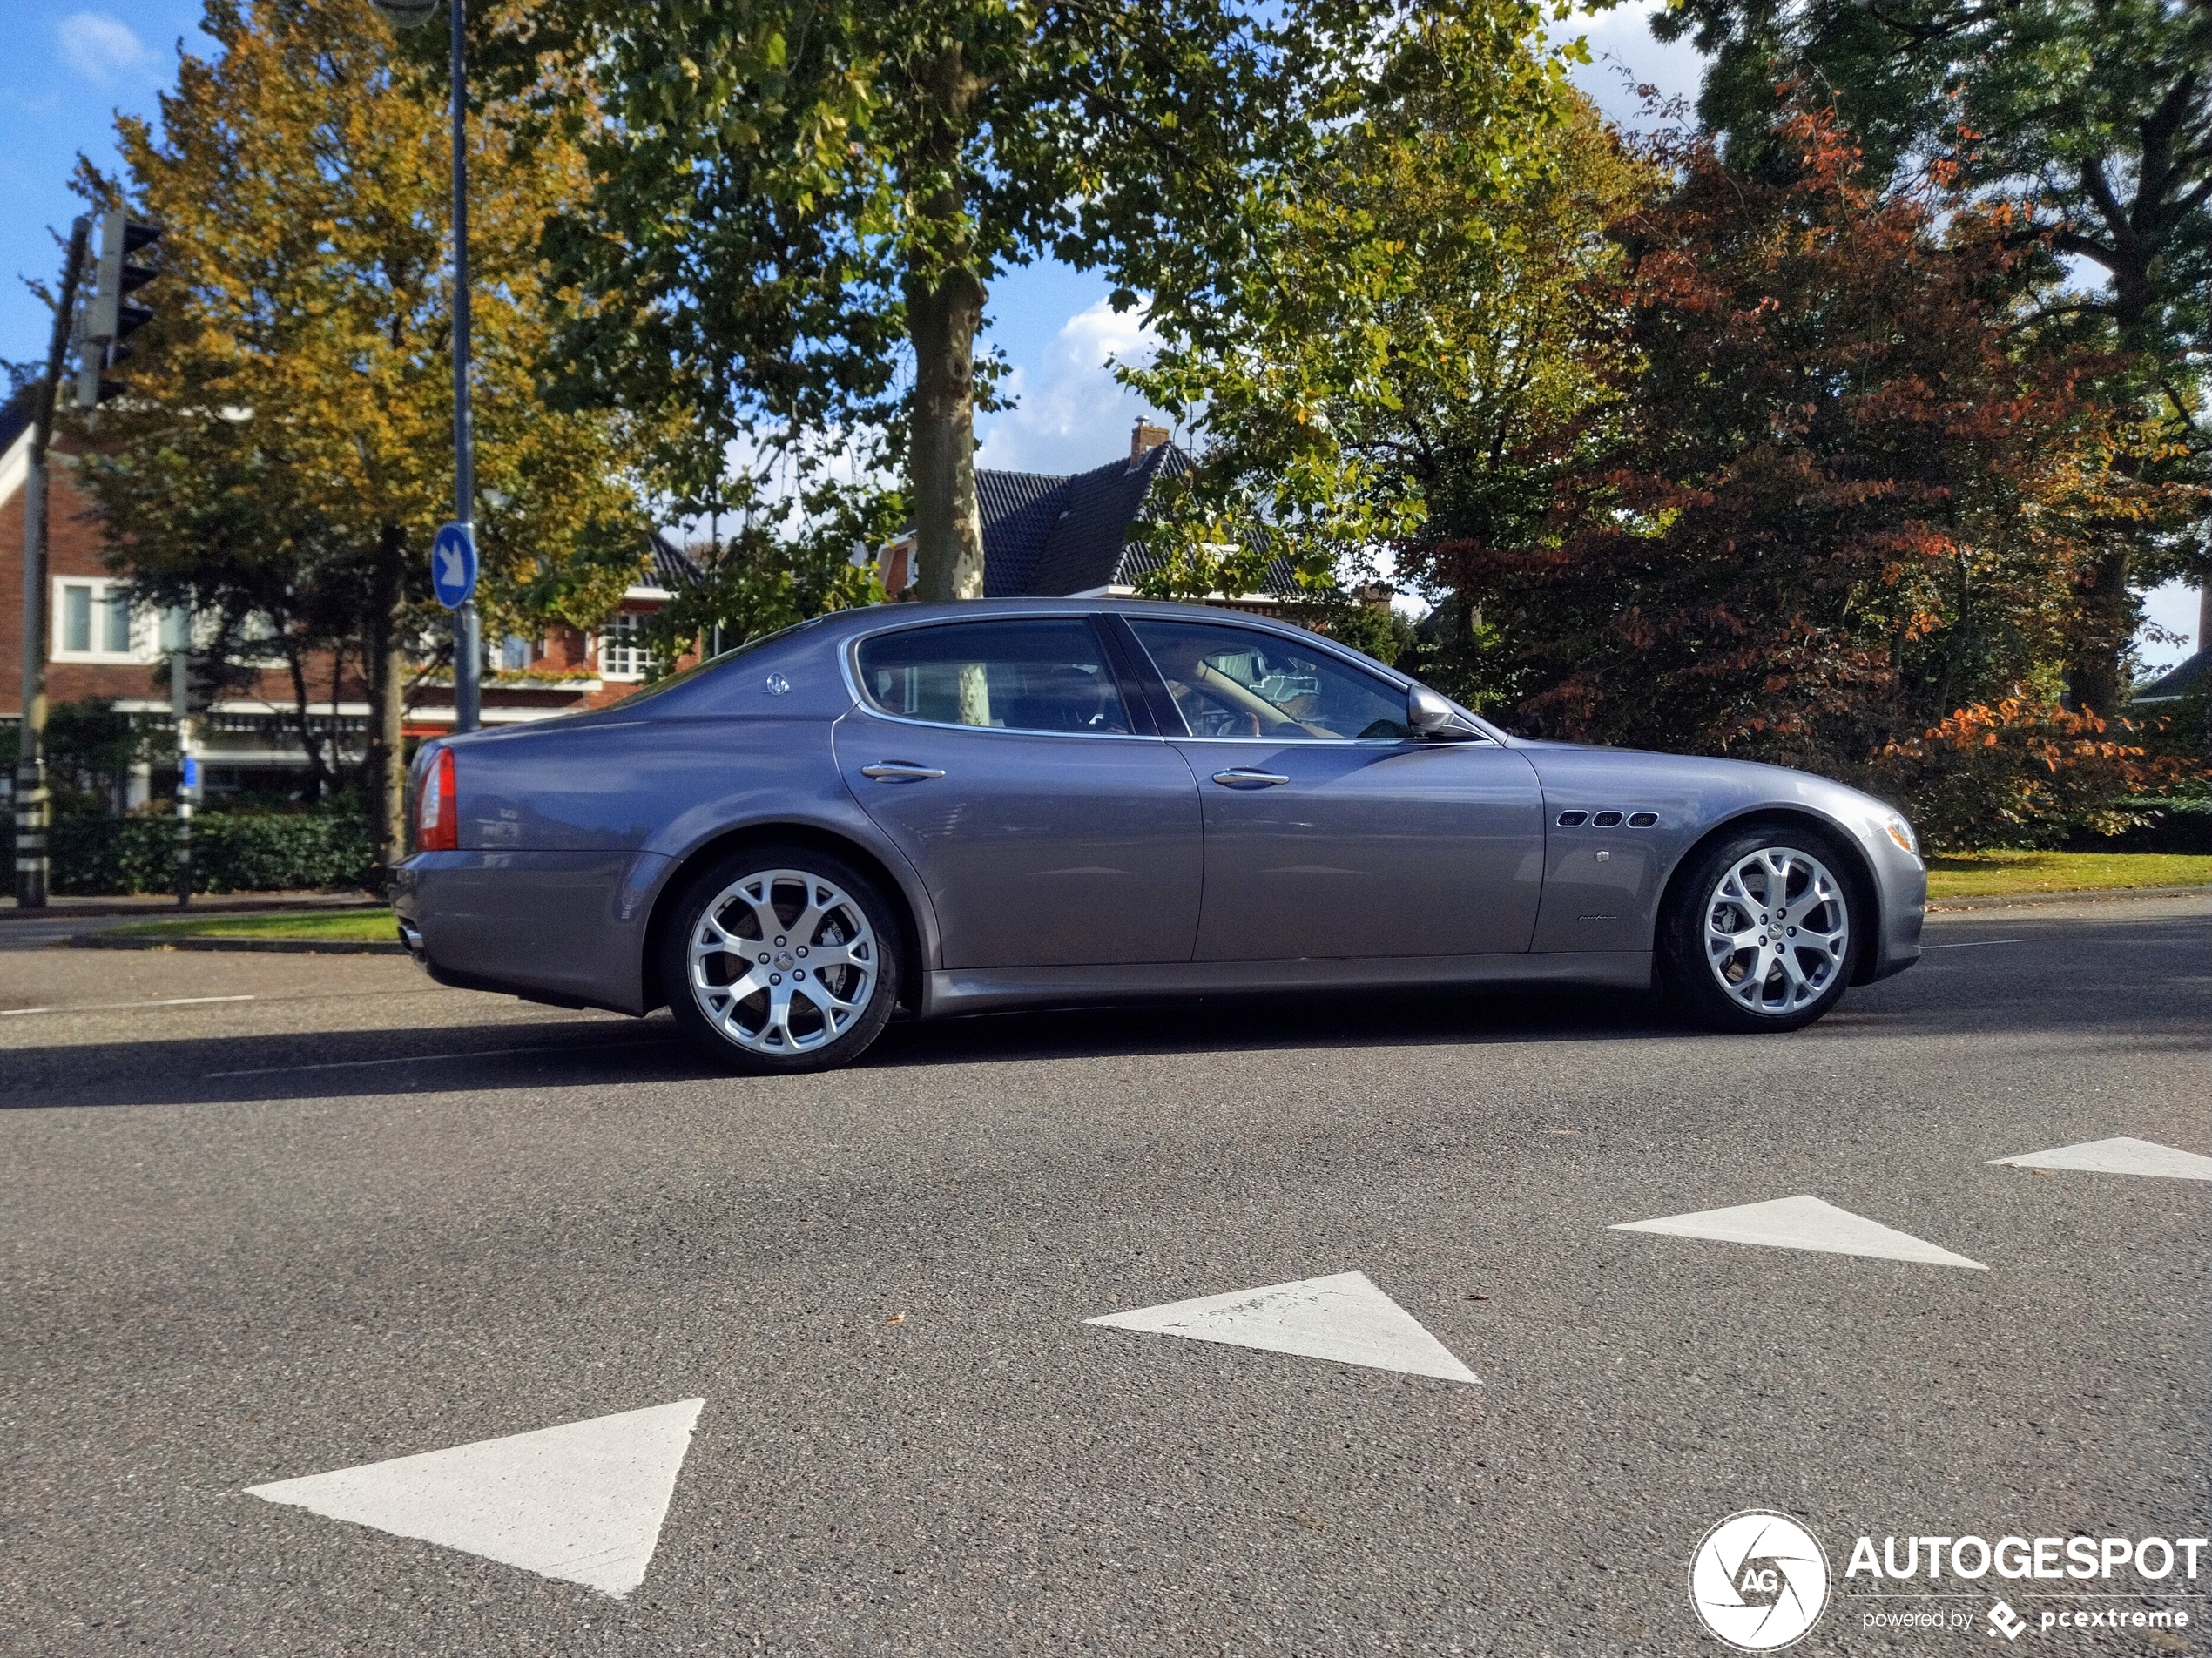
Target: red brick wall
(74, 544)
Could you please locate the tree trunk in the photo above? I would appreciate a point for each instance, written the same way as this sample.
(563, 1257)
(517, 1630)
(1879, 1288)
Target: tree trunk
(387, 694)
(944, 308)
(2095, 682)
(948, 524)
(310, 743)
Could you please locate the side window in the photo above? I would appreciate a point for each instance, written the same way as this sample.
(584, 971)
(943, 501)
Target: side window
(1045, 674)
(1239, 682)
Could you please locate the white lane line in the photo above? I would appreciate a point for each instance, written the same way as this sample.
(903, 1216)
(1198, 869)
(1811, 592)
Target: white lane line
(413, 1059)
(583, 1501)
(1974, 944)
(118, 1006)
(1344, 1319)
(1802, 1223)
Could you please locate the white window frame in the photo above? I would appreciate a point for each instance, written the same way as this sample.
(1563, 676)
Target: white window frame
(623, 656)
(144, 628)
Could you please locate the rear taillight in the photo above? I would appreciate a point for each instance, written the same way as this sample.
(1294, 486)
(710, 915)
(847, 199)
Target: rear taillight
(437, 818)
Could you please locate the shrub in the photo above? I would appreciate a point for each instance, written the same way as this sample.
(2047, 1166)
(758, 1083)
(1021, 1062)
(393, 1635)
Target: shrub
(2021, 772)
(230, 853)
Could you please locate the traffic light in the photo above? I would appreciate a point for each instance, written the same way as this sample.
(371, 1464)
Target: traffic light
(110, 318)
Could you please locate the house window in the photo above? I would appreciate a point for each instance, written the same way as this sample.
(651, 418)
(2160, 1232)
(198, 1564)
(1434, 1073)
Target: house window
(95, 623)
(622, 651)
(516, 654)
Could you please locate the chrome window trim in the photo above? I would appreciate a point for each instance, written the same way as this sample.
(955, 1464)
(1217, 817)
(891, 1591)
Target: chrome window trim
(848, 661)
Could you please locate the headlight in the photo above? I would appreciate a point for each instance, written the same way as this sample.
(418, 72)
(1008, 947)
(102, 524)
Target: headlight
(1901, 832)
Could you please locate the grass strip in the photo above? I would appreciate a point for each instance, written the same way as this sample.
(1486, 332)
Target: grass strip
(1999, 874)
(374, 926)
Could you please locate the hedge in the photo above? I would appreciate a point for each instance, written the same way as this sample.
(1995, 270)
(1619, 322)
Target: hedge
(102, 856)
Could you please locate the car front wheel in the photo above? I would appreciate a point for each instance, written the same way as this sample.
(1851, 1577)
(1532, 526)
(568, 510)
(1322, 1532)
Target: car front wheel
(781, 958)
(1759, 935)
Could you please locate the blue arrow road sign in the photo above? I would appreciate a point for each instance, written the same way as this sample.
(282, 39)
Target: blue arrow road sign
(453, 565)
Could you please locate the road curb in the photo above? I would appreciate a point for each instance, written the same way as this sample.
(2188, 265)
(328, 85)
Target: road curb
(2091, 895)
(240, 904)
(272, 946)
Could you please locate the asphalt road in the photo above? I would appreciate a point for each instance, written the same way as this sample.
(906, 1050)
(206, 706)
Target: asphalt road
(350, 1217)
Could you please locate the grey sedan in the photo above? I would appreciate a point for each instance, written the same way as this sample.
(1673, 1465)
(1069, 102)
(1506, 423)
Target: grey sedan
(947, 809)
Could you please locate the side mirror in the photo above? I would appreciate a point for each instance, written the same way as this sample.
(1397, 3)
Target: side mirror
(1427, 713)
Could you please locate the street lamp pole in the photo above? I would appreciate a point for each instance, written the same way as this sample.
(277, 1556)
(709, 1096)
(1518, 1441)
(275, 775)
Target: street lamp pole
(467, 650)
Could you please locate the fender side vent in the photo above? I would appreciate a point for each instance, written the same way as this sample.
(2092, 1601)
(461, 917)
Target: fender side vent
(1606, 820)
(1573, 820)
(1642, 820)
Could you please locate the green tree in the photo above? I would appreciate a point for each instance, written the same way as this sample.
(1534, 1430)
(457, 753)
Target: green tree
(799, 208)
(788, 562)
(1430, 350)
(284, 453)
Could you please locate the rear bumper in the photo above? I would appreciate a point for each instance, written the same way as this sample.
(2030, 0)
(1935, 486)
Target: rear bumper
(567, 927)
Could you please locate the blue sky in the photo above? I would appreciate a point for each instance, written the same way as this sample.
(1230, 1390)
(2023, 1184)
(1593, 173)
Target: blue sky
(73, 66)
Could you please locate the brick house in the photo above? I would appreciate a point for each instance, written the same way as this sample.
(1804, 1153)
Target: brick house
(99, 646)
(1043, 535)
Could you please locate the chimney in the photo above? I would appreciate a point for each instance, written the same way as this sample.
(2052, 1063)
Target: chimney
(1145, 439)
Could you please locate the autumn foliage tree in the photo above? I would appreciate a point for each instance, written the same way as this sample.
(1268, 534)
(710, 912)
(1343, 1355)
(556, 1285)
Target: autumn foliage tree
(284, 452)
(1842, 503)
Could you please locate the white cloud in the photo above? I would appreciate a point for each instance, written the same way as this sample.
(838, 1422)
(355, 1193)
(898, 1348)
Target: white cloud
(1070, 414)
(2173, 607)
(101, 48)
(1624, 53)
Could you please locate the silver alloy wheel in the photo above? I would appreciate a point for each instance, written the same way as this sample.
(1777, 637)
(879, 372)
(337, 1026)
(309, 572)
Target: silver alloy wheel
(783, 961)
(1777, 932)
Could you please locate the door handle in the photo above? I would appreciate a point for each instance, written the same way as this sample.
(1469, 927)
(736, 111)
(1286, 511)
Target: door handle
(900, 772)
(1248, 776)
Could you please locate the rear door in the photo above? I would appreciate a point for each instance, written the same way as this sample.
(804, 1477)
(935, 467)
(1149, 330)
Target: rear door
(1329, 830)
(1052, 823)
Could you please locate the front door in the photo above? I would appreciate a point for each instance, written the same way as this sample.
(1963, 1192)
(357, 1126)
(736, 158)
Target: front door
(1330, 830)
(1002, 758)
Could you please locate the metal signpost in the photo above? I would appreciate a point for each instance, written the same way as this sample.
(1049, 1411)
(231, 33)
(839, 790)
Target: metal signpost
(187, 763)
(467, 650)
(468, 653)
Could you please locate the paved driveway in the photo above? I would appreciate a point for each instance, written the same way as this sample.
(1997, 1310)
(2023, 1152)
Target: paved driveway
(345, 1218)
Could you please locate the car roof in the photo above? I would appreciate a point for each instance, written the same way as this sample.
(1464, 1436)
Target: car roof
(869, 617)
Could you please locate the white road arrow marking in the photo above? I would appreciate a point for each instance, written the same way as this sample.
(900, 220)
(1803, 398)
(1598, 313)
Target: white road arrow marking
(1802, 1223)
(583, 1502)
(2122, 1154)
(1343, 1318)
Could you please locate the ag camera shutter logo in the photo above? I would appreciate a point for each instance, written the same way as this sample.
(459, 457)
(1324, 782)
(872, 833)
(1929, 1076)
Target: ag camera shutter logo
(1758, 1581)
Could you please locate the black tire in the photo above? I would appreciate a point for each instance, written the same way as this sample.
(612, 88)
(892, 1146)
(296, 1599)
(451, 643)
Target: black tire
(740, 1032)
(1792, 973)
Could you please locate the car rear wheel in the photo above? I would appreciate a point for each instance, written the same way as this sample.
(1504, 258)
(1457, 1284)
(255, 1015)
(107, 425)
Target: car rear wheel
(781, 958)
(1760, 932)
